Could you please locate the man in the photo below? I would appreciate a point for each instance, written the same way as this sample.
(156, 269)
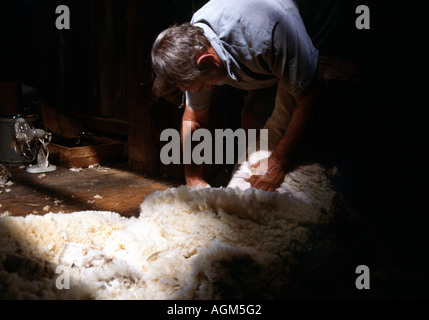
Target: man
(255, 45)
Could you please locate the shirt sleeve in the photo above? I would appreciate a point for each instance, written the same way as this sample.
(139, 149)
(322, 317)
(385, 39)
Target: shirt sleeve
(295, 59)
(199, 100)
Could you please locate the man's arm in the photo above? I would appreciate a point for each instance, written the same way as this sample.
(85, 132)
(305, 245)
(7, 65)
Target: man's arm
(284, 155)
(198, 119)
(258, 108)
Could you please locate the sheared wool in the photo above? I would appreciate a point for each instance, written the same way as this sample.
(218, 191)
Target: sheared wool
(310, 183)
(5, 175)
(187, 243)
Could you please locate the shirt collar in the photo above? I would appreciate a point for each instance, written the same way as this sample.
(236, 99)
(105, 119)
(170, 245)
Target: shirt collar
(221, 52)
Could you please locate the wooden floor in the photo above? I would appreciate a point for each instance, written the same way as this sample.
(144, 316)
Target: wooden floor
(106, 188)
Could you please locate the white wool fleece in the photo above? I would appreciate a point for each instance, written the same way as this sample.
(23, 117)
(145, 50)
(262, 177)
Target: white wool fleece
(187, 243)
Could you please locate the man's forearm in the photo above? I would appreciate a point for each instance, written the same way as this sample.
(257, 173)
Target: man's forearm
(291, 145)
(192, 121)
(193, 174)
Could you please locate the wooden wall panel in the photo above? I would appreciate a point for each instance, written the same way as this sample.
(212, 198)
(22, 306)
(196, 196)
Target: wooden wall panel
(147, 116)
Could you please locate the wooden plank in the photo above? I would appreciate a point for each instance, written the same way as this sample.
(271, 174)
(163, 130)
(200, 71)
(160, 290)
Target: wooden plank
(106, 189)
(104, 124)
(147, 116)
(59, 123)
(109, 151)
(143, 134)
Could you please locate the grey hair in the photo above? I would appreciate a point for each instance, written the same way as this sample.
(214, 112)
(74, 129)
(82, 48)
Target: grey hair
(174, 58)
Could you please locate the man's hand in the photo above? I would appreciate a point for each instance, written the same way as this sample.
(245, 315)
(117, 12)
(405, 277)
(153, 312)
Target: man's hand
(192, 182)
(286, 153)
(272, 178)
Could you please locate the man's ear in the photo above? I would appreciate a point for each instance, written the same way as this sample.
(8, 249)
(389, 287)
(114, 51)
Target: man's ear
(206, 59)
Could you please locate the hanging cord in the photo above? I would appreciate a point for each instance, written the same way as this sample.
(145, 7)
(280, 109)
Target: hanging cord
(183, 101)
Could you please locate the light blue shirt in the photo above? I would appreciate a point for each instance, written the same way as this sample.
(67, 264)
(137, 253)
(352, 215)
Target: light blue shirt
(260, 43)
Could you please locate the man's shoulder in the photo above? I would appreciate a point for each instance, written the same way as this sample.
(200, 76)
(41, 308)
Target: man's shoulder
(245, 9)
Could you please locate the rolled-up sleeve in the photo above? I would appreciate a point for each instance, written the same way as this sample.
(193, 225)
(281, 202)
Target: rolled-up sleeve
(199, 100)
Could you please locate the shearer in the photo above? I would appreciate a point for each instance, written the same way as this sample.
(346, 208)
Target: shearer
(259, 46)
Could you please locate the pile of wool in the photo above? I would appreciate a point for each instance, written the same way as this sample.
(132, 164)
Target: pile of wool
(5, 175)
(187, 243)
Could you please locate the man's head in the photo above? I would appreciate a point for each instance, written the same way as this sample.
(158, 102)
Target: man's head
(182, 58)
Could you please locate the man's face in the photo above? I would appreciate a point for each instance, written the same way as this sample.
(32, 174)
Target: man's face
(213, 72)
(211, 78)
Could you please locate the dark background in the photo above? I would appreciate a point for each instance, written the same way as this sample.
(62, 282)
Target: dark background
(101, 67)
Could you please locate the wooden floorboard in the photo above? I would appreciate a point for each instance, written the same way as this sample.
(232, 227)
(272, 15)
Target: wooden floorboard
(105, 188)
